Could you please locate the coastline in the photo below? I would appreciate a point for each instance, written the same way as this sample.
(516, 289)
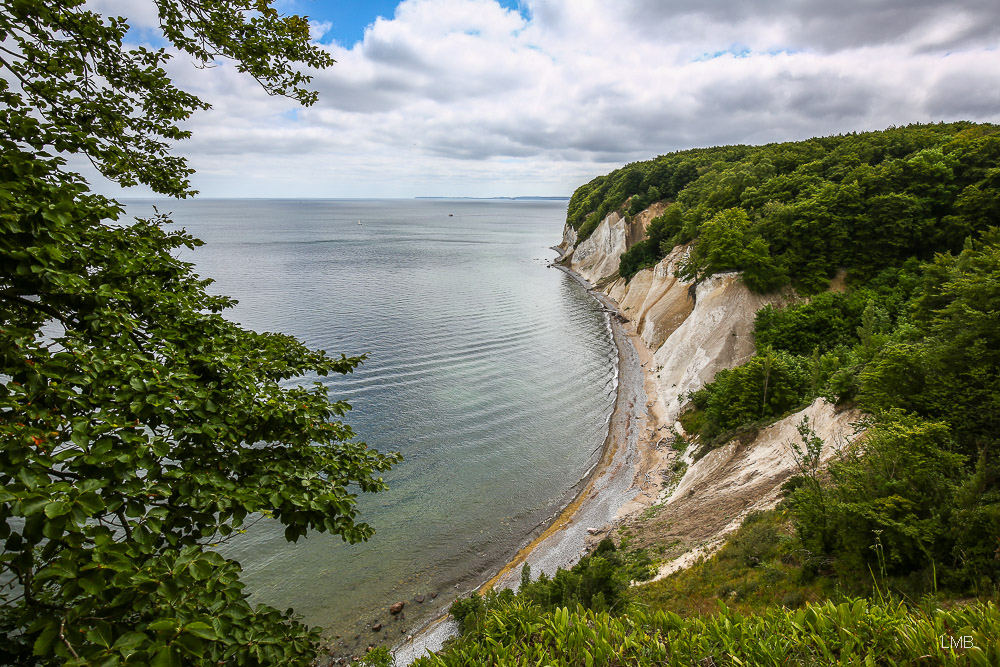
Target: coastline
(617, 487)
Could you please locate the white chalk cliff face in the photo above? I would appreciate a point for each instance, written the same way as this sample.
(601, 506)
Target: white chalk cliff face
(656, 301)
(597, 256)
(569, 240)
(719, 490)
(692, 332)
(717, 334)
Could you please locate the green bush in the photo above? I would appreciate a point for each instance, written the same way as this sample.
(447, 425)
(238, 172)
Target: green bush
(888, 505)
(379, 656)
(467, 612)
(826, 321)
(767, 386)
(755, 542)
(642, 255)
(598, 581)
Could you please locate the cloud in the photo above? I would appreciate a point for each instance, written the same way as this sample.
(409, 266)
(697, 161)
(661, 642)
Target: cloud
(830, 26)
(467, 97)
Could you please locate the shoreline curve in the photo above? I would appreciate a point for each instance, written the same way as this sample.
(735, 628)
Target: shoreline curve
(605, 491)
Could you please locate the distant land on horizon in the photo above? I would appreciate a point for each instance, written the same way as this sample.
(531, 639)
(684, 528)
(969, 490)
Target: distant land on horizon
(509, 198)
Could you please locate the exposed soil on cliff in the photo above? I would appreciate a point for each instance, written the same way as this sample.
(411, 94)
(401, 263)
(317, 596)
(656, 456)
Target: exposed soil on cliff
(717, 492)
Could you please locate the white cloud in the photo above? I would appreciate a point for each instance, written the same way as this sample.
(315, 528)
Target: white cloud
(140, 13)
(464, 97)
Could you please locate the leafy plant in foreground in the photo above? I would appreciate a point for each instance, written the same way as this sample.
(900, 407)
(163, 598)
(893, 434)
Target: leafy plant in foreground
(516, 632)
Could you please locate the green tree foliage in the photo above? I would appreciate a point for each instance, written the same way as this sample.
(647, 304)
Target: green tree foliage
(767, 386)
(761, 272)
(642, 255)
(944, 365)
(599, 581)
(826, 321)
(139, 426)
(916, 346)
(909, 212)
(723, 240)
(640, 184)
(69, 85)
(947, 364)
(858, 201)
(889, 504)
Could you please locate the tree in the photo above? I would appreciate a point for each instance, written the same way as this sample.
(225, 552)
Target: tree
(137, 425)
(894, 489)
(760, 272)
(723, 240)
(766, 386)
(952, 370)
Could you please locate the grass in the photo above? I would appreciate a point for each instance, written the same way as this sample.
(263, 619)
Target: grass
(758, 568)
(693, 421)
(753, 603)
(763, 566)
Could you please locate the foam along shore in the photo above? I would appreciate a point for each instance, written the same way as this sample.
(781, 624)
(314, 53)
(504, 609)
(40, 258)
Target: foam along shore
(612, 484)
(615, 484)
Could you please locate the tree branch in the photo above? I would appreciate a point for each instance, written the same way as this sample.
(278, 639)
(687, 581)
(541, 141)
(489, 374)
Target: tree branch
(12, 297)
(121, 517)
(62, 636)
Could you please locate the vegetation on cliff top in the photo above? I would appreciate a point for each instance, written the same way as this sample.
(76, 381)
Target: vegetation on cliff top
(801, 210)
(918, 349)
(914, 340)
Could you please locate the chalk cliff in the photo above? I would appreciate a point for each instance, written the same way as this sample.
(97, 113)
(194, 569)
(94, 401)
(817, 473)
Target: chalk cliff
(690, 332)
(693, 331)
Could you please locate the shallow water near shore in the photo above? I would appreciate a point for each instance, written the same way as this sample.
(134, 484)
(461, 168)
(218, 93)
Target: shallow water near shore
(493, 374)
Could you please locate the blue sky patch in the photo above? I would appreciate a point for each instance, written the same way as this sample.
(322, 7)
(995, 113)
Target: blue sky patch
(737, 51)
(349, 19)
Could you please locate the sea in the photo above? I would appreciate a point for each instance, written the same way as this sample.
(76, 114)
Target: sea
(491, 372)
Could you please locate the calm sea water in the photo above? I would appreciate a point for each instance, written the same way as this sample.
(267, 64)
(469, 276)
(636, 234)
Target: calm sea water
(493, 375)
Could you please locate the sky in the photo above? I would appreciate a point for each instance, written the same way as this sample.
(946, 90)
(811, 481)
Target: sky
(482, 98)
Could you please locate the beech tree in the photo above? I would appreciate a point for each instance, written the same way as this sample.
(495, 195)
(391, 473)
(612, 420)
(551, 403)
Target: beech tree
(138, 426)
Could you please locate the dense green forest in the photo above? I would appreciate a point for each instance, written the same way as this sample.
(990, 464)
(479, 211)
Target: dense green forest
(799, 211)
(908, 517)
(914, 341)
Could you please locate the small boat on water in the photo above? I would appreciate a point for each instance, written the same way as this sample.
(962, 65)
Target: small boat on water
(359, 222)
